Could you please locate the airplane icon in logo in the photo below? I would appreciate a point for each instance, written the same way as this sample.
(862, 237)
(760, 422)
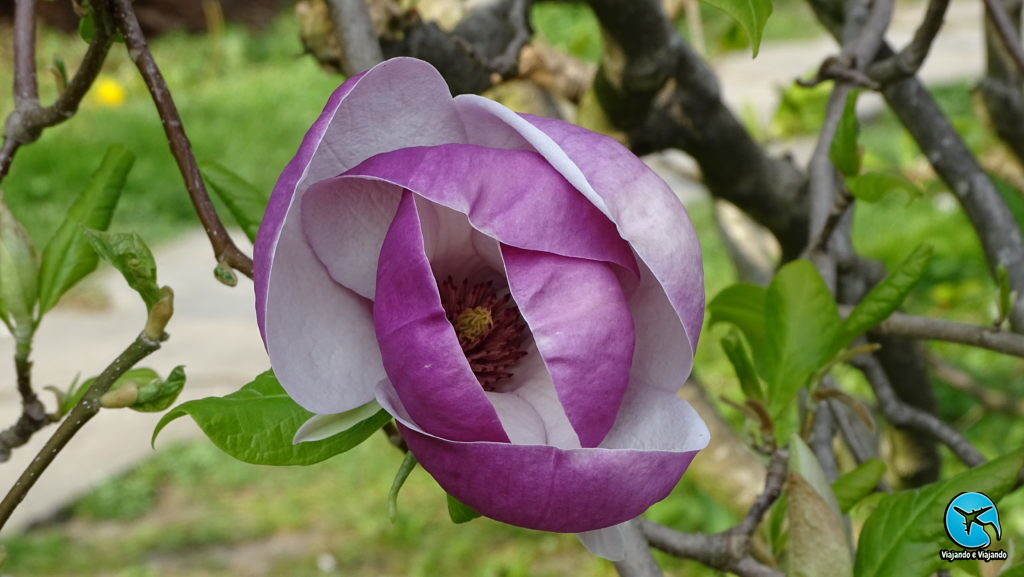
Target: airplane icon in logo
(972, 519)
(966, 511)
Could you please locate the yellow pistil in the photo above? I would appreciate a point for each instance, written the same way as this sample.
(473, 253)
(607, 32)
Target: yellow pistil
(473, 324)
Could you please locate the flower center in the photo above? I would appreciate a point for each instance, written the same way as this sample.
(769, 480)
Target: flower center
(489, 328)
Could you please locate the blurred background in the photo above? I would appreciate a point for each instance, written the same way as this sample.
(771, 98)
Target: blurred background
(248, 78)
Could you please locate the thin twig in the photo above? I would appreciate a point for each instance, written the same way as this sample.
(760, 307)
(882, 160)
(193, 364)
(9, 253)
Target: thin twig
(26, 89)
(903, 415)
(989, 399)
(360, 49)
(729, 550)
(997, 15)
(908, 61)
(224, 248)
(925, 328)
(33, 412)
(85, 410)
(26, 122)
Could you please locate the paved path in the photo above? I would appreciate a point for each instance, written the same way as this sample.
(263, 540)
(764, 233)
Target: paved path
(214, 333)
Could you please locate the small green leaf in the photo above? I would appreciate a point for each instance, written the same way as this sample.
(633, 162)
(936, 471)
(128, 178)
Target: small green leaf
(19, 269)
(158, 394)
(903, 535)
(130, 255)
(408, 464)
(742, 304)
(887, 296)
(139, 376)
(752, 15)
(845, 151)
(459, 512)
(256, 424)
(734, 348)
(816, 532)
(68, 257)
(804, 325)
(86, 27)
(853, 486)
(245, 202)
(873, 186)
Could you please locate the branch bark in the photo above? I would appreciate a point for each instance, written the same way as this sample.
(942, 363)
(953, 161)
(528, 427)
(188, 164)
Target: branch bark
(925, 328)
(360, 49)
(224, 248)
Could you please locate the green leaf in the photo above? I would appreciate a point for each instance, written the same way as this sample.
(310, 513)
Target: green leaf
(86, 27)
(68, 257)
(460, 512)
(853, 486)
(158, 394)
(752, 15)
(887, 296)
(802, 460)
(742, 304)
(19, 269)
(845, 151)
(408, 464)
(819, 543)
(904, 534)
(245, 202)
(130, 255)
(256, 424)
(804, 326)
(734, 348)
(873, 186)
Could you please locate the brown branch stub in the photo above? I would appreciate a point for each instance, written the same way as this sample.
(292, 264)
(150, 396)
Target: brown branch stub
(224, 248)
(33, 413)
(26, 89)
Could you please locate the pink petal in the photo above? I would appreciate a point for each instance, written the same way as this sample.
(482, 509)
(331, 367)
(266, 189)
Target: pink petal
(319, 336)
(647, 214)
(512, 196)
(574, 490)
(582, 326)
(419, 348)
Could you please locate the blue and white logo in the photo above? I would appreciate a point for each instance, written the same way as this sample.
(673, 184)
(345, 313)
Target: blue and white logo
(966, 517)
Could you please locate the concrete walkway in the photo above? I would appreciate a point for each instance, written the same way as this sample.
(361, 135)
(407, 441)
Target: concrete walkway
(214, 330)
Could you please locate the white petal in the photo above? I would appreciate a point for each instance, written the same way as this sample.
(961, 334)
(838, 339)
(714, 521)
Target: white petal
(320, 427)
(607, 543)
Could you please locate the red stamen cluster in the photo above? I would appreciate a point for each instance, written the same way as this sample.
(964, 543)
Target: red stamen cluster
(492, 347)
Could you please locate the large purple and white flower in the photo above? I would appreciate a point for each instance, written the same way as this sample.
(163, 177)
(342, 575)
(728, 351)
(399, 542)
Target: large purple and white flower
(523, 296)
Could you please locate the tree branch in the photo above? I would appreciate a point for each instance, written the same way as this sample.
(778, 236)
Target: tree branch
(902, 415)
(639, 560)
(992, 220)
(148, 341)
(1002, 88)
(26, 122)
(925, 328)
(224, 248)
(33, 412)
(908, 60)
(729, 550)
(360, 49)
(26, 89)
(1006, 31)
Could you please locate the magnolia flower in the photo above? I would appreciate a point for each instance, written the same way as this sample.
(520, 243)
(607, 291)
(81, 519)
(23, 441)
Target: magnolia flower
(522, 295)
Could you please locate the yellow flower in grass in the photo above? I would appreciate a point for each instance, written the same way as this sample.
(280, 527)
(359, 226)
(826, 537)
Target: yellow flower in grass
(108, 91)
